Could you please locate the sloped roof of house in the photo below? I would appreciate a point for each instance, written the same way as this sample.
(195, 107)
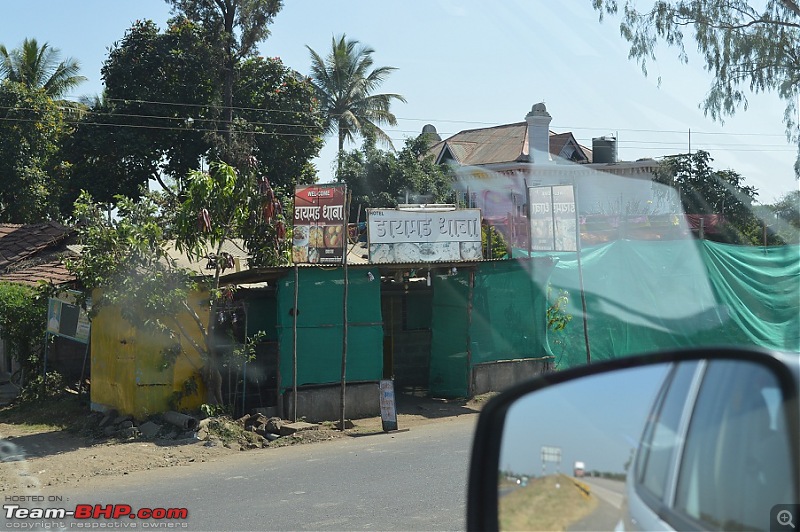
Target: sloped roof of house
(503, 144)
(234, 247)
(34, 252)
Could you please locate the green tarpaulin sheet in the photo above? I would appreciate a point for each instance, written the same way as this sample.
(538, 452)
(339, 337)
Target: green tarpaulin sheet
(649, 295)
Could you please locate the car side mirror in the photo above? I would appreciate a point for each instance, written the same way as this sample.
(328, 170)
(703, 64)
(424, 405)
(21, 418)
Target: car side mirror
(700, 439)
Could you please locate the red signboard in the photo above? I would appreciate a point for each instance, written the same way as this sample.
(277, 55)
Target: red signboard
(319, 219)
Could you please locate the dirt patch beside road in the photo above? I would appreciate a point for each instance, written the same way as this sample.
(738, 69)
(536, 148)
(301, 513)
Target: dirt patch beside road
(50, 455)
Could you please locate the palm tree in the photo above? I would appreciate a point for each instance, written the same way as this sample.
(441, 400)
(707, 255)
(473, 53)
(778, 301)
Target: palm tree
(39, 68)
(345, 82)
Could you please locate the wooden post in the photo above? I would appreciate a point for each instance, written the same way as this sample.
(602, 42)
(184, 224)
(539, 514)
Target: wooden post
(580, 274)
(469, 327)
(294, 343)
(344, 317)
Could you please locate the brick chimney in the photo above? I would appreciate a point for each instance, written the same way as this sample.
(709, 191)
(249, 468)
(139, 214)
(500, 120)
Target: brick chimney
(539, 134)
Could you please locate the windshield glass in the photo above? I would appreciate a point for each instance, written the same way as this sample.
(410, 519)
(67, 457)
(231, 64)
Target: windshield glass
(638, 273)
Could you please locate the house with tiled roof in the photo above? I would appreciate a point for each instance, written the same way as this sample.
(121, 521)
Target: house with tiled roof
(496, 165)
(35, 252)
(505, 144)
(29, 254)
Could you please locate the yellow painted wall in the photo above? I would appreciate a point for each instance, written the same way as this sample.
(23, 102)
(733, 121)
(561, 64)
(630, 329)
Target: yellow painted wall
(126, 364)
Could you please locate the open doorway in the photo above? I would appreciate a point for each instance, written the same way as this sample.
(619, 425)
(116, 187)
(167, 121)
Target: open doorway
(406, 304)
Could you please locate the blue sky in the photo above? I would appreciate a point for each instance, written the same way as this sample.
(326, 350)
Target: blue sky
(465, 64)
(596, 420)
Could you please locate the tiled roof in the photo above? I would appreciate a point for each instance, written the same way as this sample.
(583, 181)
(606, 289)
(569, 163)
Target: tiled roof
(500, 144)
(17, 242)
(559, 140)
(53, 271)
(34, 252)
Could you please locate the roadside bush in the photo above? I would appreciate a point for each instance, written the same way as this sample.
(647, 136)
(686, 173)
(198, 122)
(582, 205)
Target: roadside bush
(43, 387)
(23, 316)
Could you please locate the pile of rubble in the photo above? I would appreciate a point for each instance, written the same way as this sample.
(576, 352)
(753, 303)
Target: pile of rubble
(249, 432)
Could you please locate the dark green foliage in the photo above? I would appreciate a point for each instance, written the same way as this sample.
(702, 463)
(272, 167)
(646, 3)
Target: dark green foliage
(703, 190)
(282, 114)
(143, 131)
(31, 128)
(23, 316)
(382, 179)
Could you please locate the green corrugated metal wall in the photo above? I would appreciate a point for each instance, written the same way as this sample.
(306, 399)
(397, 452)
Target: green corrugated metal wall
(320, 331)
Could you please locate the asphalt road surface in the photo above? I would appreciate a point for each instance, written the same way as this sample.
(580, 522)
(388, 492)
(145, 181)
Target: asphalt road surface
(610, 494)
(413, 480)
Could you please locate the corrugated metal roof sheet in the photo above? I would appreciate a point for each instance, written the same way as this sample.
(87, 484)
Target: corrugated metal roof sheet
(234, 247)
(499, 144)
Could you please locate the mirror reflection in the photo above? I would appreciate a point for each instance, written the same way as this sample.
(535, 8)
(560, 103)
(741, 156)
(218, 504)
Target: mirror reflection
(703, 441)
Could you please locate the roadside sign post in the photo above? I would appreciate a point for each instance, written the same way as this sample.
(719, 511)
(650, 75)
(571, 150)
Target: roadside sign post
(552, 455)
(388, 406)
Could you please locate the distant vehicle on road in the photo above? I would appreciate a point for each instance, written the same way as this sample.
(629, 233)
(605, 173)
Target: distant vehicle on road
(579, 469)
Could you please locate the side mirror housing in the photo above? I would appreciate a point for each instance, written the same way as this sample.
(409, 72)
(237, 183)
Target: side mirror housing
(701, 438)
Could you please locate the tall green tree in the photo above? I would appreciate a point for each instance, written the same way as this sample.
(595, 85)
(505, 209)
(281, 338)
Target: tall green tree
(346, 83)
(279, 108)
(138, 131)
(234, 28)
(32, 127)
(130, 257)
(40, 67)
(704, 190)
(162, 131)
(382, 179)
(747, 46)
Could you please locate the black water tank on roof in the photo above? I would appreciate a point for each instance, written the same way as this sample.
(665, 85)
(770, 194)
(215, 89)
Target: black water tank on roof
(604, 150)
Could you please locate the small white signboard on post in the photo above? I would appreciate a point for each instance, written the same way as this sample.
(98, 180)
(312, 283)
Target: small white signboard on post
(388, 406)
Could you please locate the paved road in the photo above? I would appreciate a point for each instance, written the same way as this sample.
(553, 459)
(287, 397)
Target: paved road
(610, 494)
(413, 480)
(611, 491)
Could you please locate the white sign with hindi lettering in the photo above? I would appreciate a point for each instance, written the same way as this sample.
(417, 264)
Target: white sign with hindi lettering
(423, 236)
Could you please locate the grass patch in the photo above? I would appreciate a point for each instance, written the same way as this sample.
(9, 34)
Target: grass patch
(231, 433)
(543, 506)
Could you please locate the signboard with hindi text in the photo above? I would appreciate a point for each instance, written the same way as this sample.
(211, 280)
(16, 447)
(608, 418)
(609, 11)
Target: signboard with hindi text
(553, 220)
(397, 235)
(319, 220)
